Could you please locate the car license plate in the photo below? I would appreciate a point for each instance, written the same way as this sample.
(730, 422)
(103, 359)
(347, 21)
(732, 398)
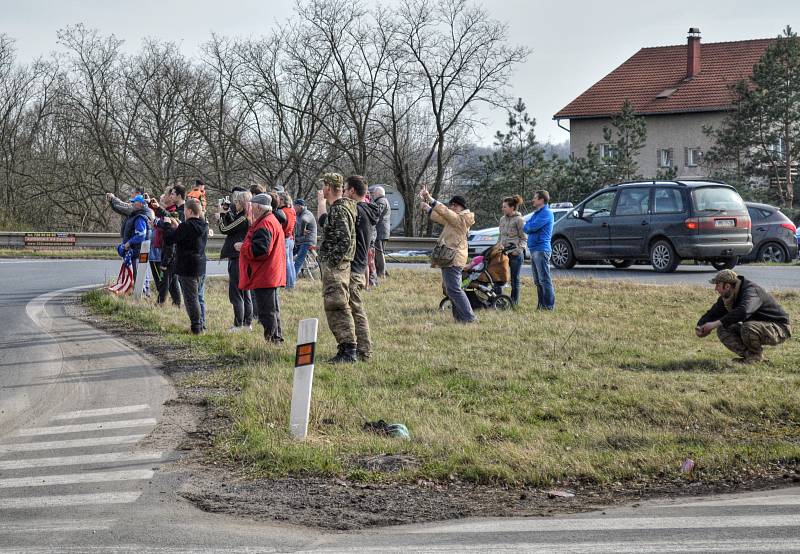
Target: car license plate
(725, 223)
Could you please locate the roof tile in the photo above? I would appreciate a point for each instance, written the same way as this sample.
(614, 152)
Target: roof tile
(651, 71)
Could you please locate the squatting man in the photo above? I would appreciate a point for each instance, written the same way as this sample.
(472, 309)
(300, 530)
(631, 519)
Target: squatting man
(746, 317)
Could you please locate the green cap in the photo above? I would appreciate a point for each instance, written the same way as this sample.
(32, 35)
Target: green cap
(333, 179)
(725, 276)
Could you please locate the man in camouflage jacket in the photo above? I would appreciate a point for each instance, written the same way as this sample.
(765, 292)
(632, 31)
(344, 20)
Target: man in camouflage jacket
(338, 229)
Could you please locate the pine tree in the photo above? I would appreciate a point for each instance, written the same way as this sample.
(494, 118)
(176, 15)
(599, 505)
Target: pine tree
(515, 167)
(761, 137)
(627, 136)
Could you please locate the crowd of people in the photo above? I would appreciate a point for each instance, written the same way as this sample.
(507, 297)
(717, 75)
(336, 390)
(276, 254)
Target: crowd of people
(268, 237)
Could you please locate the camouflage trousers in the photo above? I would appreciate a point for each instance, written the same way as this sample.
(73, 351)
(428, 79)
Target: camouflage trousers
(336, 299)
(357, 284)
(749, 338)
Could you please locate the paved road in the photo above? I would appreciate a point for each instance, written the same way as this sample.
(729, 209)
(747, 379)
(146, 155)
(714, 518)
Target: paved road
(79, 474)
(771, 277)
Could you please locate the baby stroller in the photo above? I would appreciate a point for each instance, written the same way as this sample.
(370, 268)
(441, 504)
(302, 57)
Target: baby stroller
(481, 276)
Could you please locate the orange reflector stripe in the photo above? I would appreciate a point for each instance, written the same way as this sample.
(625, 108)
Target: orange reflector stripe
(304, 354)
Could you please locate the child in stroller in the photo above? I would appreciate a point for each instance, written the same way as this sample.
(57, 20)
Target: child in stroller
(485, 272)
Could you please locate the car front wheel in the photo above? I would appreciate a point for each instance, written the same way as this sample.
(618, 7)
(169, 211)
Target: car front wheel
(562, 256)
(663, 257)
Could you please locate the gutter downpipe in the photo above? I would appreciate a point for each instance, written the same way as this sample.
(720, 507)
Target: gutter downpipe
(558, 122)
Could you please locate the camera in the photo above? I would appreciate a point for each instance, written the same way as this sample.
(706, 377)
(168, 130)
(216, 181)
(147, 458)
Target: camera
(224, 203)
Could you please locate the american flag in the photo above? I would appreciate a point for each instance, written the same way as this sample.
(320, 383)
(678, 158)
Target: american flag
(124, 282)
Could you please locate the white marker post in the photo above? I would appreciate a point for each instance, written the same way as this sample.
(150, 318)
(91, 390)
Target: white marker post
(141, 272)
(303, 378)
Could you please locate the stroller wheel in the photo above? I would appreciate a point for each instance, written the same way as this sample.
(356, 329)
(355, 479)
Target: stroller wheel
(446, 305)
(502, 302)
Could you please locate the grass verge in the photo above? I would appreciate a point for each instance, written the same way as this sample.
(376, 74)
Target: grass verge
(613, 386)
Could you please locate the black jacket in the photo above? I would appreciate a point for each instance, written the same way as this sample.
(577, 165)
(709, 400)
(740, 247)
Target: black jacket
(234, 226)
(752, 304)
(366, 217)
(168, 250)
(190, 253)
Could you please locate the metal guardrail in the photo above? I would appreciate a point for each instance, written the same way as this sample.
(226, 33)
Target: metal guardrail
(16, 239)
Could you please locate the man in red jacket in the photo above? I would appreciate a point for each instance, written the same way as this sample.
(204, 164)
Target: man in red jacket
(262, 264)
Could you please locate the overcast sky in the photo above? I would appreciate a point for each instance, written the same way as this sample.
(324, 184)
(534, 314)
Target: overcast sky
(574, 43)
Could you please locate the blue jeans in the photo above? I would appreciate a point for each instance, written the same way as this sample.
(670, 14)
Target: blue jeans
(291, 274)
(515, 265)
(462, 311)
(201, 298)
(300, 257)
(540, 264)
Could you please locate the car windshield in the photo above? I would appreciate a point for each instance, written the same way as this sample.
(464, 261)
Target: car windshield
(717, 199)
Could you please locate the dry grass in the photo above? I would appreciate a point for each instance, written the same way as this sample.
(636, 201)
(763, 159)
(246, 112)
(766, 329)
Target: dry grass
(612, 386)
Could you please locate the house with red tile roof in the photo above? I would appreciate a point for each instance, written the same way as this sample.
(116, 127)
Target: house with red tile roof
(677, 89)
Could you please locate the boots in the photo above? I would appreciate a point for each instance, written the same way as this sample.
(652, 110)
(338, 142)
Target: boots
(346, 354)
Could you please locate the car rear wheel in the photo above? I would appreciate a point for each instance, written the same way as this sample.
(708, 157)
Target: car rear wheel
(772, 252)
(663, 257)
(621, 264)
(562, 256)
(726, 263)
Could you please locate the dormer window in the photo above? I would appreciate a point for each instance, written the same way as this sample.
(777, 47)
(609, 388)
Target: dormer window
(666, 93)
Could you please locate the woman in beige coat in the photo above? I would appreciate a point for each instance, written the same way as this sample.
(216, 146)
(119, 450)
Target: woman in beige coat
(512, 234)
(456, 219)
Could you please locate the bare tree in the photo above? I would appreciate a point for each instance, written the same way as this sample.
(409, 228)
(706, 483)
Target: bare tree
(462, 56)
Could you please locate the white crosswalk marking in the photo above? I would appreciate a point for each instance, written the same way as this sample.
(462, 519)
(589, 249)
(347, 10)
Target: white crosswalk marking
(744, 501)
(28, 502)
(85, 427)
(75, 478)
(614, 547)
(63, 526)
(81, 460)
(72, 443)
(102, 412)
(619, 524)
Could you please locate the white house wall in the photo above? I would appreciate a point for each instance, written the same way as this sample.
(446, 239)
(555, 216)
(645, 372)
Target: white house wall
(676, 131)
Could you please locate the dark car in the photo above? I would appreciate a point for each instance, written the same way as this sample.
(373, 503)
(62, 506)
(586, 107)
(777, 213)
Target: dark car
(774, 237)
(660, 221)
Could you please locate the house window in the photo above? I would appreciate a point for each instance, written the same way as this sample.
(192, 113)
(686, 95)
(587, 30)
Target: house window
(693, 157)
(779, 149)
(665, 157)
(609, 152)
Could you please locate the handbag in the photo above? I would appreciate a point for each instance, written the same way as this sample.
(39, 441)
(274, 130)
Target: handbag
(442, 255)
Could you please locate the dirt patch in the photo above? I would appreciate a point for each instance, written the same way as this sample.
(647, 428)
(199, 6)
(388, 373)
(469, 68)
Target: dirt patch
(343, 505)
(191, 421)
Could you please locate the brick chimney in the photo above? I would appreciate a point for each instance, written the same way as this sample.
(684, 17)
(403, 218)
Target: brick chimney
(693, 53)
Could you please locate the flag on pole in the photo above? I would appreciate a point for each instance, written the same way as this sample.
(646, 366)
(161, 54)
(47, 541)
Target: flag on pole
(124, 282)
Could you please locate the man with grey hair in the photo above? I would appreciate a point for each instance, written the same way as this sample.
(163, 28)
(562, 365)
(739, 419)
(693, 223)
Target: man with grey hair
(383, 229)
(262, 264)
